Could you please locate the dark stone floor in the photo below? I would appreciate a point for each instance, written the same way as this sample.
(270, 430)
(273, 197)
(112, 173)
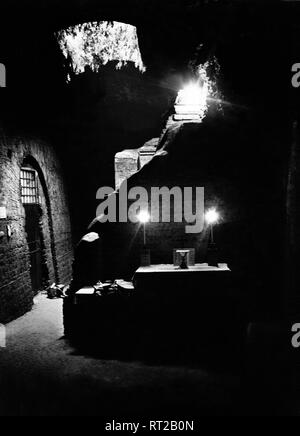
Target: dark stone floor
(41, 374)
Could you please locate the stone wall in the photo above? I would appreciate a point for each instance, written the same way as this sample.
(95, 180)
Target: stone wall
(16, 293)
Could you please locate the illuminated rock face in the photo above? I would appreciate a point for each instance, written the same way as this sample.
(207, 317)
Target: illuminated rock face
(95, 44)
(126, 164)
(129, 162)
(147, 152)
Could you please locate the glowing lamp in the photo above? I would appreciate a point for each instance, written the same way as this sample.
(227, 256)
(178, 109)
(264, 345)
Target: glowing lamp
(212, 217)
(144, 218)
(191, 102)
(193, 94)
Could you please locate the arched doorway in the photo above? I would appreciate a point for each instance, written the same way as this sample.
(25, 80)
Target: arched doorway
(38, 225)
(35, 240)
(31, 199)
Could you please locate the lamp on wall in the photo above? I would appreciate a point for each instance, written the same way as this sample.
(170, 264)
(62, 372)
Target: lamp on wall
(212, 217)
(144, 218)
